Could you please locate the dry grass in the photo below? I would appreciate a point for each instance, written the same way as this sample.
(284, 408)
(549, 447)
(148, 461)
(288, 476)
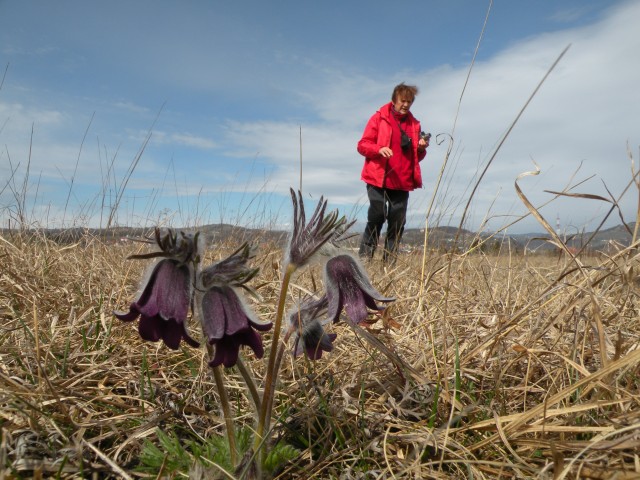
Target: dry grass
(504, 367)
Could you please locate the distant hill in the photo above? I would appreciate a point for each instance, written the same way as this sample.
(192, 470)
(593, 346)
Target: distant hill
(439, 237)
(444, 237)
(212, 233)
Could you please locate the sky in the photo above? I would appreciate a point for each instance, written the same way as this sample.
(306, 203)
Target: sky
(190, 113)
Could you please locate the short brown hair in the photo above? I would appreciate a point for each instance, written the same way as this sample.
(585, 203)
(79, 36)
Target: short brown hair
(409, 91)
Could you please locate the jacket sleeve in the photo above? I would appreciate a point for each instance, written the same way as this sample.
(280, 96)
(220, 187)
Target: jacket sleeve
(368, 144)
(421, 153)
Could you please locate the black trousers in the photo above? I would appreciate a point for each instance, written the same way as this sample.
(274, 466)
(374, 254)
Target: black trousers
(384, 205)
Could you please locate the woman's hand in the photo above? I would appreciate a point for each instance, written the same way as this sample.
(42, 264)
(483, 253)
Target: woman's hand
(423, 144)
(385, 152)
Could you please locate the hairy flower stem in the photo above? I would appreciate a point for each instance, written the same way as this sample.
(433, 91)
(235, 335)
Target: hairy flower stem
(226, 411)
(271, 376)
(281, 351)
(249, 380)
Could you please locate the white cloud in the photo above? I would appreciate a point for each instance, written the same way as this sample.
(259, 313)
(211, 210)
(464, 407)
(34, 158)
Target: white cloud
(570, 14)
(131, 107)
(161, 137)
(582, 118)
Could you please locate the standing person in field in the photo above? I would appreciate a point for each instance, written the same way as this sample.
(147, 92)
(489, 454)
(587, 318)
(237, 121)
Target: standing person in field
(393, 146)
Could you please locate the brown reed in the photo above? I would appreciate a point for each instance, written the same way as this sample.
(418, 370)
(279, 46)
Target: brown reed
(507, 381)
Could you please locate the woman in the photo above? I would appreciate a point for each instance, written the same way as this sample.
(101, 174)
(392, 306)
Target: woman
(393, 146)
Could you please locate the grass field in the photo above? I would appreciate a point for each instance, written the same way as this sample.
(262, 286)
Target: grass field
(489, 367)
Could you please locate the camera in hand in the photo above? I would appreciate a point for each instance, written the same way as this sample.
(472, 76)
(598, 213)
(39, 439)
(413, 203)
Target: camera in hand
(425, 136)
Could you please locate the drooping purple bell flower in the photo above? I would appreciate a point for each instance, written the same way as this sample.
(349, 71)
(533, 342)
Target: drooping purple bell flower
(163, 304)
(348, 287)
(310, 336)
(227, 322)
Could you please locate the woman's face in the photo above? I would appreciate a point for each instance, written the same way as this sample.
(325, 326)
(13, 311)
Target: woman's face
(402, 104)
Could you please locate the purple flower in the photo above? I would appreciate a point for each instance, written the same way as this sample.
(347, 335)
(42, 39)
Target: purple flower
(310, 335)
(228, 323)
(348, 286)
(164, 302)
(308, 238)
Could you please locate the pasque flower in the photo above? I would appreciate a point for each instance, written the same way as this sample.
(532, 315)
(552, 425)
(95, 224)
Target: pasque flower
(307, 238)
(348, 287)
(164, 302)
(307, 325)
(227, 321)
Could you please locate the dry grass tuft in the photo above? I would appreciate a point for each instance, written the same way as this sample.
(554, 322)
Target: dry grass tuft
(508, 366)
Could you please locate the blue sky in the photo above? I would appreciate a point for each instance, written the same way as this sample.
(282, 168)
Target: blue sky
(226, 89)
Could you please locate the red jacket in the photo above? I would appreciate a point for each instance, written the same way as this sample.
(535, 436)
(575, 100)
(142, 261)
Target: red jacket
(400, 172)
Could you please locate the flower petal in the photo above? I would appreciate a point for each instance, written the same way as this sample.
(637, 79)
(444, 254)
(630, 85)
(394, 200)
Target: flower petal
(167, 292)
(187, 338)
(356, 307)
(150, 328)
(237, 319)
(326, 345)
(251, 339)
(227, 349)
(334, 300)
(348, 286)
(316, 340)
(171, 334)
(170, 331)
(371, 302)
(228, 323)
(362, 280)
(213, 315)
(263, 326)
(129, 316)
(226, 354)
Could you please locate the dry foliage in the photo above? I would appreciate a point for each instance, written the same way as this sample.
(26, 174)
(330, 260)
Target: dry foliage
(485, 367)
